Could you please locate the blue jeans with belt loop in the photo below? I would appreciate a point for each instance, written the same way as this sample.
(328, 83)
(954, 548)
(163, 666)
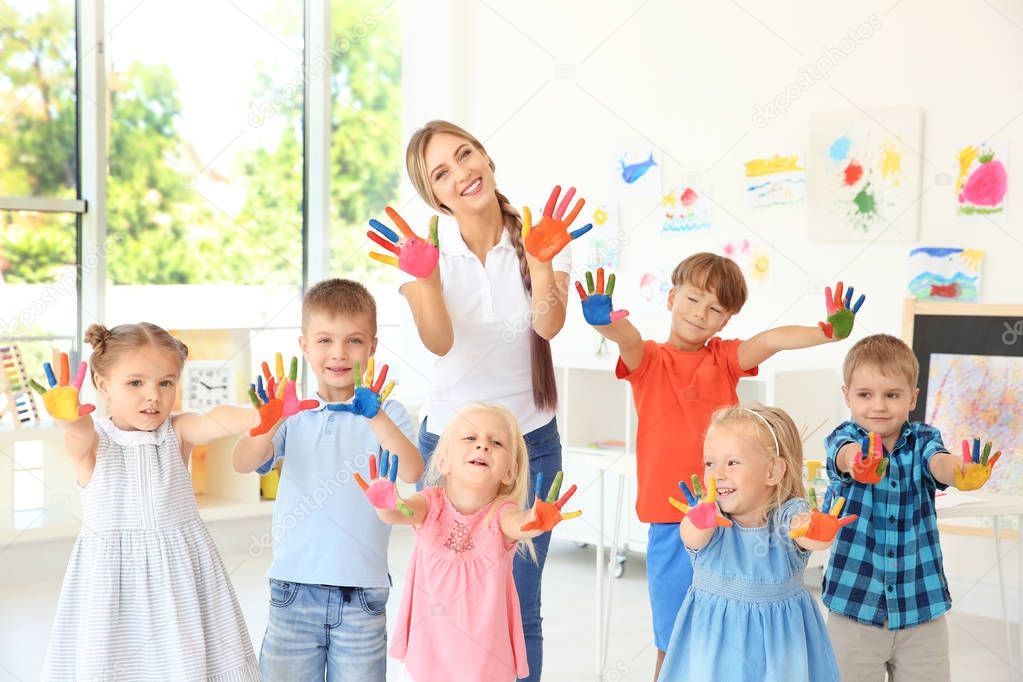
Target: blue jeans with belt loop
(544, 447)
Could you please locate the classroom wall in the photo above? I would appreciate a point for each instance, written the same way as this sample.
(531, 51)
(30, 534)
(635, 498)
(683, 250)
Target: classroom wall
(556, 91)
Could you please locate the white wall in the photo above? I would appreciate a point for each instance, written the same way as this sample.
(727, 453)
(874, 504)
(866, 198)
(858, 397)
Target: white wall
(556, 90)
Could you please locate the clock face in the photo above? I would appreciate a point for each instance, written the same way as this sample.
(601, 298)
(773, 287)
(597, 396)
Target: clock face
(206, 385)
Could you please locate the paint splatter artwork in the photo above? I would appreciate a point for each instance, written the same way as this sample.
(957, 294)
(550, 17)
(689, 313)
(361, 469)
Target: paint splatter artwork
(775, 181)
(945, 274)
(863, 179)
(982, 179)
(686, 209)
(979, 395)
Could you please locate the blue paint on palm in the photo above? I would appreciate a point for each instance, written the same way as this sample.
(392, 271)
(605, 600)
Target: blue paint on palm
(597, 309)
(365, 403)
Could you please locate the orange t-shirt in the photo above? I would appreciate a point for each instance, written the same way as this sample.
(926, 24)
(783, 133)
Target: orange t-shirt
(676, 392)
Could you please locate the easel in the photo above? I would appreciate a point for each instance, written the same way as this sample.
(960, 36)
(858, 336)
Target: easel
(20, 401)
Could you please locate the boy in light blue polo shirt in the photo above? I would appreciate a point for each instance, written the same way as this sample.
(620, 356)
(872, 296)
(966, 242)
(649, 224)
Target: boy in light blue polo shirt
(329, 580)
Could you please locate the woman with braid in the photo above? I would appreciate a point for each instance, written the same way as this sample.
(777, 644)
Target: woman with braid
(487, 293)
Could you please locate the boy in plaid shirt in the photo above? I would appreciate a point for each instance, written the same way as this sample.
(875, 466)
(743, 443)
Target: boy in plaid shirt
(885, 585)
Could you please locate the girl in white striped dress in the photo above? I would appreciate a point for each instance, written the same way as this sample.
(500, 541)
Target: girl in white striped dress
(146, 595)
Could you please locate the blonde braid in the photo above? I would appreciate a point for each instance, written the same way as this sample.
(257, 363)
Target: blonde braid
(513, 224)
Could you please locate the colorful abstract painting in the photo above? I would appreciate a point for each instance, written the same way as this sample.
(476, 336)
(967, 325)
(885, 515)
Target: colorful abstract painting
(754, 259)
(605, 240)
(979, 395)
(945, 274)
(686, 209)
(775, 181)
(982, 179)
(863, 175)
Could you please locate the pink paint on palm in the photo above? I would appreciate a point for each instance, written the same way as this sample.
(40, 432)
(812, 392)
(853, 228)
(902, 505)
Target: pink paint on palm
(382, 494)
(704, 515)
(418, 258)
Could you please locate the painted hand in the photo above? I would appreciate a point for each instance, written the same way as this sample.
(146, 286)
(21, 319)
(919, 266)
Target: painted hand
(872, 467)
(381, 491)
(547, 239)
(976, 467)
(823, 526)
(547, 512)
(702, 514)
(368, 396)
(597, 308)
(841, 314)
(61, 400)
(412, 254)
(279, 399)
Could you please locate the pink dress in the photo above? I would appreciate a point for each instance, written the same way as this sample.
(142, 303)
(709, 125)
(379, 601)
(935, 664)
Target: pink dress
(459, 618)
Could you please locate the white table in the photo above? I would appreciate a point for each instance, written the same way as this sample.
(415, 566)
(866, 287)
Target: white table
(623, 464)
(997, 506)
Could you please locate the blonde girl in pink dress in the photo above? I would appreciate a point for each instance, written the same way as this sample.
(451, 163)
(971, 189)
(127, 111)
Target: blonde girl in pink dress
(459, 618)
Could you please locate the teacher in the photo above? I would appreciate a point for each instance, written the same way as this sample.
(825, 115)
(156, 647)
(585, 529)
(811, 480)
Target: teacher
(488, 311)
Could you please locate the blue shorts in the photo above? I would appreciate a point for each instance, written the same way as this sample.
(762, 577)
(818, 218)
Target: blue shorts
(669, 575)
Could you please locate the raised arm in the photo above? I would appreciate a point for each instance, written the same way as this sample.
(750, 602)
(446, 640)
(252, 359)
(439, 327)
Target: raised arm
(519, 524)
(74, 419)
(701, 516)
(382, 493)
(368, 401)
(418, 257)
(970, 473)
(599, 312)
(841, 315)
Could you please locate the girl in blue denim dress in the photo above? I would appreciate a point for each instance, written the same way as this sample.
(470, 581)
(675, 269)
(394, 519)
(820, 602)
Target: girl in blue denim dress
(747, 615)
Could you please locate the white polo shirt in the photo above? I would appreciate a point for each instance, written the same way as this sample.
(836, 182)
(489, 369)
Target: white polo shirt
(489, 360)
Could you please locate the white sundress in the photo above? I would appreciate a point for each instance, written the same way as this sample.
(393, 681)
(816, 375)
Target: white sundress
(146, 595)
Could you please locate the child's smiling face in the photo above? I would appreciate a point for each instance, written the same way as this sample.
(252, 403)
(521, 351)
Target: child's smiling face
(746, 474)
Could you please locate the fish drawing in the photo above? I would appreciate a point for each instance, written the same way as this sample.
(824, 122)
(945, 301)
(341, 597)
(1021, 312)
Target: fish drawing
(634, 171)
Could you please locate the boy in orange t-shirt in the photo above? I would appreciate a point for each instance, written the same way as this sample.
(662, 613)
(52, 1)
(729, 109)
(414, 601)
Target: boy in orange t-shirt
(677, 385)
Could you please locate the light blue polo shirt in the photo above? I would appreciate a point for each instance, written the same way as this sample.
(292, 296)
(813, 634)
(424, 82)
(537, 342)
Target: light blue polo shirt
(325, 531)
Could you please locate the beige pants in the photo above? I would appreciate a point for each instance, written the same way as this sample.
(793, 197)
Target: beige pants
(866, 652)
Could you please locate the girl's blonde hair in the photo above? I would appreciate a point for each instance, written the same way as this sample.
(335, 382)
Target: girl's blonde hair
(545, 389)
(110, 344)
(765, 424)
(518, 490)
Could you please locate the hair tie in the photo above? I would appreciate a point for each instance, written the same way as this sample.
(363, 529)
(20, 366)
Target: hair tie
(777, 448)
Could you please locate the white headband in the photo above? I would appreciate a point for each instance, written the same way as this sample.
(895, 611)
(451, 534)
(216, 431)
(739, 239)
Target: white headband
(777, 449)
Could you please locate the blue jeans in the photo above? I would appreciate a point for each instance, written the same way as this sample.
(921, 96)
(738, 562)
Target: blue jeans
(544, 446)
(321, 629)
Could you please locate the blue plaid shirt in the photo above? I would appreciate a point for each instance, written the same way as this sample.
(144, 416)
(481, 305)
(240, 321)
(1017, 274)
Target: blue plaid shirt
(886, 567)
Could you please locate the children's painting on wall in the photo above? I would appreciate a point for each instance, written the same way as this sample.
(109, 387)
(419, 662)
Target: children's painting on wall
(638, 174)
(945, 274)
(775, 181)
(754, 259)
(982, 180)
(978, 395)
(686, 209)
(863, 177)
(654, 285)
(606, 239)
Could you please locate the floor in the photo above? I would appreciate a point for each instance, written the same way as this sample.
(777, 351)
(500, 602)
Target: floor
(26, 613)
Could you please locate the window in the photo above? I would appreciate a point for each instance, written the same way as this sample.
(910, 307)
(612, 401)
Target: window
(205, 192)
